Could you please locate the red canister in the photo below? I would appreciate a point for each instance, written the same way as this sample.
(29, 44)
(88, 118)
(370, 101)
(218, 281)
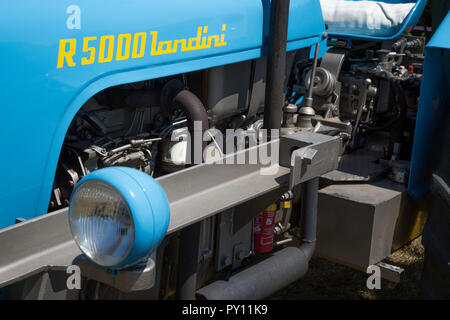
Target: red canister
(263, 229)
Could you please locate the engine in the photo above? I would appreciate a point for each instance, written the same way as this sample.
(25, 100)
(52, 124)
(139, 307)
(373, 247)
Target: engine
(145, 126)
(107, 131)
(357, 92)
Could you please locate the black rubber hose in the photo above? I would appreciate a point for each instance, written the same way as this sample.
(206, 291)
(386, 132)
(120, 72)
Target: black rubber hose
(193, 108)
(383, 127)
(175, 96)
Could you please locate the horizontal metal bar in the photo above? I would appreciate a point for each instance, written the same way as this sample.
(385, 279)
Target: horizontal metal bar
(209, 188)
(201, 191)
(216, 189)
(194, 194)
(36, 245)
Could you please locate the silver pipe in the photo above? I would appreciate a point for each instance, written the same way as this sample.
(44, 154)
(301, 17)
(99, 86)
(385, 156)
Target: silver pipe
(278, 271)
(261, 280)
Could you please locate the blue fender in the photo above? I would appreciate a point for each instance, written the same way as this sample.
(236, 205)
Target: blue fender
(41, 92)
(434, 110)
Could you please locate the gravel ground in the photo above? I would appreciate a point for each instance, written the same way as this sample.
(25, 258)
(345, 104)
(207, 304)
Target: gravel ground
(328, 280)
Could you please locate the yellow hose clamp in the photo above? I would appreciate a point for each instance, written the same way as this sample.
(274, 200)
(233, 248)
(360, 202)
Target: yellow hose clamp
(285, 204)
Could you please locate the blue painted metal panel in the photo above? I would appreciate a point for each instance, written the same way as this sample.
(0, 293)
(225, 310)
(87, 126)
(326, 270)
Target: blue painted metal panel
(433, 111)
(39, 100)
(410, 21)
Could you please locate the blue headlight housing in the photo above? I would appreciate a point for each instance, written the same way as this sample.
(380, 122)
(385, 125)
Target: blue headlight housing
(118, 216)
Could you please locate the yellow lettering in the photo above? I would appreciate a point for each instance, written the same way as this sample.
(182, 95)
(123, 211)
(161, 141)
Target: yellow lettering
(153, 50)
(86, 48)
(135, 53)
(197, 39)
(182, 42)
(68, 55)
(126, 54)
(101, 53)
(216, 40)
(168, 49)
(204, 39)
(197, 43)
(160, 45)
(107, 49)
(222, 42)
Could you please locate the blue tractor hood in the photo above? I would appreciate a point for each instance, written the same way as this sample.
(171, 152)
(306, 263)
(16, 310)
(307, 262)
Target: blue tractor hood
(63, 53)
(370, 19)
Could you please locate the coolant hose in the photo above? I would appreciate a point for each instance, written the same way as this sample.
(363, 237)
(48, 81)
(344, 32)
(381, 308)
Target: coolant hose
(175, 96)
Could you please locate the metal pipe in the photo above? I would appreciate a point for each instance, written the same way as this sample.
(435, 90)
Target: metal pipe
(308, 98)
(276, 63)
(261, 280)
(278, 271)
(306, 112)
(308, 219)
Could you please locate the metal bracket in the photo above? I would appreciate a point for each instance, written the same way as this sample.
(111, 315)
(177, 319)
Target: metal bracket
(309, 155)
(135, 278)
(390, 272)
(238, 255)
(299, 157)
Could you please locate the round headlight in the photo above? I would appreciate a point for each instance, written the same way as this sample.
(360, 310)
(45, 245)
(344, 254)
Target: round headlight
(118, 216)
(101, 222)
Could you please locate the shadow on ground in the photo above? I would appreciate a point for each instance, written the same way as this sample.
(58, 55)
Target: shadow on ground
(328, 280)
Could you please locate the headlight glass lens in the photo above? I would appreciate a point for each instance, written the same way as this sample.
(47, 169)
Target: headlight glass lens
(101, 222)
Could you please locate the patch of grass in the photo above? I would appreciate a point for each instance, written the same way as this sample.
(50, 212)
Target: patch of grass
(328, 280)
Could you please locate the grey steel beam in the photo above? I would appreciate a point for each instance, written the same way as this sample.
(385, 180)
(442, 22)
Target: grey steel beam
(206, 190)
(45, 243)
(196, 193)
(35, 246)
